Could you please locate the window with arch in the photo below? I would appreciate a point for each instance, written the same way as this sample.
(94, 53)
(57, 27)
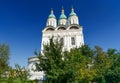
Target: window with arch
(73, 41)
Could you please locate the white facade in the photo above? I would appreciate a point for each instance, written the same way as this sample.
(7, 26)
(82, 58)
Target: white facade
(68, 30)
(34, 74)
(73, 31)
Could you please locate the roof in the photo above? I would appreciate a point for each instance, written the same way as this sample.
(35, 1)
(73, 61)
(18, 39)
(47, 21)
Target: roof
(72, 14)
(62, 16)
(51, 16)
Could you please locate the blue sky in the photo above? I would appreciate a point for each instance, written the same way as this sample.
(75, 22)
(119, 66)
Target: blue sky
(22, 21)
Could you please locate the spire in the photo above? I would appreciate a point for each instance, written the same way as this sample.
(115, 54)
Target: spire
(72, 9)
(51, 11)
(62, 12)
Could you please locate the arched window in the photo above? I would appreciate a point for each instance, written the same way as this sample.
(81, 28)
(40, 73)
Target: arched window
(73, 41)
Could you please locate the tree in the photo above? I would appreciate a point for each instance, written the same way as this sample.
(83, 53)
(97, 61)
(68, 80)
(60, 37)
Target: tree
(21, 73)
(65, 66)
(79, 65)
(4, 58)
(113, 73)
(101, 64)
(51, 61)
(107, 65)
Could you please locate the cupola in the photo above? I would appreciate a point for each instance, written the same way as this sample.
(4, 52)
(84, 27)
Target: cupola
(72, 12)
(73, 18)
(51, 14)
(62, 18)
(51, 21)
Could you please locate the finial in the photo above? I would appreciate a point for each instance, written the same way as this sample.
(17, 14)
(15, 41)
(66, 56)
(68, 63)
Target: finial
(72, 9)
(51, 11)
(62, 10)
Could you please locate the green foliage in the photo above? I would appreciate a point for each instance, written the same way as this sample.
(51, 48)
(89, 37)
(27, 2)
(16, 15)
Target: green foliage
(21, 73)
(51, 62)
(79, 65)
(4, 52)
(13, 80)
(17, 75)
(4, 58)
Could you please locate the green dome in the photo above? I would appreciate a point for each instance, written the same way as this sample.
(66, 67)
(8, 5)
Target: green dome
(72, 14)
(51, 16)
(63, 16)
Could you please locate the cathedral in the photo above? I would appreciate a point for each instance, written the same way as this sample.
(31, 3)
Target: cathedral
(66, 29)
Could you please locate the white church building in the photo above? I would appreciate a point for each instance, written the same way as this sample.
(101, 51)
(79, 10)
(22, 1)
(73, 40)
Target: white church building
(67, 29)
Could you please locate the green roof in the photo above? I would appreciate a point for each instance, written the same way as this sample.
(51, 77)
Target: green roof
(51, 16)
(72, 14)
(63, 16)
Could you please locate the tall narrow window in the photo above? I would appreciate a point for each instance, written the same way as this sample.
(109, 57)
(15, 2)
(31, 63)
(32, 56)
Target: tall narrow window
(62, 41)
(72, 40)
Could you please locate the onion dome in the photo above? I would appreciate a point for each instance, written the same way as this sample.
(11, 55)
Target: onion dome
(51, 14)
(72, 12)
(62, 16)
(73, 18)
(51, 21)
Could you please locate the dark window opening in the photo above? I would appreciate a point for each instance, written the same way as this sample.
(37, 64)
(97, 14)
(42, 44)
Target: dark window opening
(72, 40)
(62, 41)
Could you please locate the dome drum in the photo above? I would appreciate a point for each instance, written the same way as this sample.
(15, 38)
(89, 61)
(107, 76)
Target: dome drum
(72, 19)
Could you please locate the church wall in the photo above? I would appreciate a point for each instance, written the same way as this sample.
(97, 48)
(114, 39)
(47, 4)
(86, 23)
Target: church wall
(66, 35)
(66, 28)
